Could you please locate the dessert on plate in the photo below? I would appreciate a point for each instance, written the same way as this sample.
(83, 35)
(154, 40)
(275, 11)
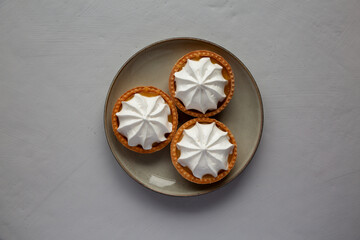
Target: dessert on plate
(201, 83)
(203, 150)
(144, 119)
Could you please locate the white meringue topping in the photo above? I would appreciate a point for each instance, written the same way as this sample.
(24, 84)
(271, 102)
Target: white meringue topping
(144, 120)
(200, 85)
(204, 149)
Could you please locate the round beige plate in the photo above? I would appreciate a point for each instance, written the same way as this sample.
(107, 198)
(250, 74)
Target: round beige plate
(151, 66)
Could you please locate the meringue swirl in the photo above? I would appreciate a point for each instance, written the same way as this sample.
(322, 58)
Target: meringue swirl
(200, 85)
(144, 120)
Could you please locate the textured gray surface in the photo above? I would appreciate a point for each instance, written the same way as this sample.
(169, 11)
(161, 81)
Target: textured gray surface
(58, 179)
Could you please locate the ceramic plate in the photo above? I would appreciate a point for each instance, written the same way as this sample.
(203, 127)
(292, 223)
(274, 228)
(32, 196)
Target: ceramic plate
(151, 66)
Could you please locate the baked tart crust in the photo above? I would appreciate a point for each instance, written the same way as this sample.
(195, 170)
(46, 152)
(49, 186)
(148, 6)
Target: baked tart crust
(146, 91)
(226, 72)
(185, 171)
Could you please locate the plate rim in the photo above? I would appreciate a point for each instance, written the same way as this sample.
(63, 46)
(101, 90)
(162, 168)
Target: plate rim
(177, 39)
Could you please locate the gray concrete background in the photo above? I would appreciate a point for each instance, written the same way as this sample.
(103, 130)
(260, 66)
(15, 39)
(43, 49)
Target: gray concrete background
(59, 180)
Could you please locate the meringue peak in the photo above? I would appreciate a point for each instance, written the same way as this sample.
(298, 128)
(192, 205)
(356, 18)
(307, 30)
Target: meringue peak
(200, 85)
(144, 120)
